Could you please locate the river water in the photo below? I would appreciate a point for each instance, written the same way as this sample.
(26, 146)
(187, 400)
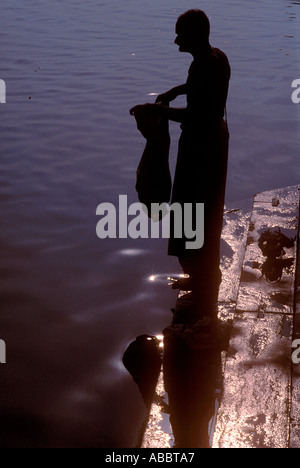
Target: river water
(70, 302)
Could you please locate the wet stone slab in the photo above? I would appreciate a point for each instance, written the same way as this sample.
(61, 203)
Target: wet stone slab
(256, 293)
(255, 405)
(286, 195)
(260, 405)
(295, 391)
(233, 242)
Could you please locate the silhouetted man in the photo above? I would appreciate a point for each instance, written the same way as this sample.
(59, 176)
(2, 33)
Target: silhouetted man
(201, 169)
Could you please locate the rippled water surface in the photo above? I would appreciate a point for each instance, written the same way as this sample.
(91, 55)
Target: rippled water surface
(71, 303)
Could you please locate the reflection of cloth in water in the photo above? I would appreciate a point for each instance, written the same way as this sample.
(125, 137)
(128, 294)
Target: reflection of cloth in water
(142, 359)
(153, 182)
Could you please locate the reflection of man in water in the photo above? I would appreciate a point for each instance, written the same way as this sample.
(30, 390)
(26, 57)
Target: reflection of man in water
(203, 152)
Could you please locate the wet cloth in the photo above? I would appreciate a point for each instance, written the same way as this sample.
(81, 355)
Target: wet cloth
(153, 183)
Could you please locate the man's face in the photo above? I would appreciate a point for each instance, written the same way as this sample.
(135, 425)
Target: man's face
(183, 39)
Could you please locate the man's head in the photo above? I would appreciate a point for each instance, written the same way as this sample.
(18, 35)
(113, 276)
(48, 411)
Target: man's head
(193, 30)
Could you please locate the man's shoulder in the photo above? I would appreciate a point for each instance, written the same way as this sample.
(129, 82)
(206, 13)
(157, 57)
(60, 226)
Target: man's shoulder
(220, 59)
(218, 54)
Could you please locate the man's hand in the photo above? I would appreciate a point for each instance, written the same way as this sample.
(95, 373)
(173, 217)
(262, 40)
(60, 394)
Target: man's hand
(169, 96)
(150, 109)
(165, 98)
(147, 117)
(154, 111)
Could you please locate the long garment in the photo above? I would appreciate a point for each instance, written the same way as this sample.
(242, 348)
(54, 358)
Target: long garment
(201, 169)
(200, 177)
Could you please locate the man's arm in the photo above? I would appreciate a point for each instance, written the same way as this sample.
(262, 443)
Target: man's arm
(171, 113)
(172, 94)
(179, 90)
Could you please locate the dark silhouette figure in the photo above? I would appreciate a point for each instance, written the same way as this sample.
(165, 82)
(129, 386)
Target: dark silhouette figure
(201, 169)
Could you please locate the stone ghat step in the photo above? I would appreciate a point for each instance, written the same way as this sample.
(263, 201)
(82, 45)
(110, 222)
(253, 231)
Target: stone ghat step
(259, 404)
